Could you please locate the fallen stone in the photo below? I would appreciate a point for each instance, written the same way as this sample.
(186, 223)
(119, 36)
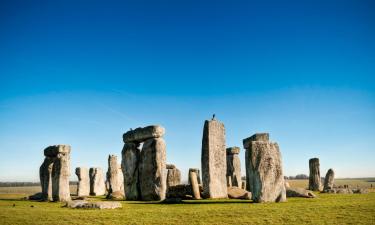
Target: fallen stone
(130, 169)
(299, 192)
(238, 193)
(117, 195)
(93, 205)
(142, 134)
(360, 191)
(213, 160)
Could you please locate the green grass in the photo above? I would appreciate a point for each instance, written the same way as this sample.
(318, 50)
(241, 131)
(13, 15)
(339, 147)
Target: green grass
(326, 209)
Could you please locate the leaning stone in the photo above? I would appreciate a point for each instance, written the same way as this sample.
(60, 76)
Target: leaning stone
(61, 173)
(97, 184)
(329, 179)
(142, 134)
(264, 172)
(314, 178)
(213, 160)
(152, 178)
(115, 178)
(238, 193)
(233, 167)
(256, 137)
(299, 192)
(197, 171)
(194, 185)
(83, 188)
(130, 168)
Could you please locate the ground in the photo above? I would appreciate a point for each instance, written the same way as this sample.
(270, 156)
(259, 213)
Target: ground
(326, 209)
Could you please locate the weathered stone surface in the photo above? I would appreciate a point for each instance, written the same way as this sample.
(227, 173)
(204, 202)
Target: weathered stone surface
(299, 192)
(54, 150)
(314, 178)
(244, 184)
(130, 168)
(97, 184)
(115, 178)
(213, 160)
(194, 185)
(198, 172)
(93, 205)
(173, 176)
(45, 175)
(170, 166)
(61, 173)
(152, 180)
(233, 167)
(287, 185)
(238, 193)
(360, 191)
(264, 172)
(256, 137)
(117, 195)
(83, 188)
(183, 191)
(142, 134)
(329, 179)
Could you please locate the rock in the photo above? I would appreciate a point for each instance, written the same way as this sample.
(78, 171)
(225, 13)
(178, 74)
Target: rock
(93, 205)
(287, 185)
(45, 175)
(183, 191)
(172, 201)
(256, 137)
(343, 191)
(55, 150)
(329, 179)
(314, 178)
(197, 171)
(213, 160)
(264, 172)
(115, 178)
(142, 134)
(130, 165)
(117, 195)
(83, 188)
(233, 167)
(97, 184)
(170, 166)
(152, 180)
(238, 193)
(194, 185)
(244, 184)
(360, 191)
(173, 176)
(299, 192)
(60, 172)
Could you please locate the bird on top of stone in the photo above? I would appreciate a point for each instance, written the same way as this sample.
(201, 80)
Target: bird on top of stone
(213, 116)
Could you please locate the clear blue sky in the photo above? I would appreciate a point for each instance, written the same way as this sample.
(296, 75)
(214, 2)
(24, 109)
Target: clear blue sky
(83, 72)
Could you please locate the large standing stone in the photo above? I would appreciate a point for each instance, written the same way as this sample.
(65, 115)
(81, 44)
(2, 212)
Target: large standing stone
(328, 180)
(194, 185)
(60, 172)
(83, 181)
(314, 178)
(198, 172)
(233, 167)
(97, 184)
(264, 172)
(152, 178)
(130, 162)
(142, 134)
(115, 179)
(45, 174)
(213, 160)
(173, 176)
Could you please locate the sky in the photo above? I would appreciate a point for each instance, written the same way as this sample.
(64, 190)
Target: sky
(84, 72)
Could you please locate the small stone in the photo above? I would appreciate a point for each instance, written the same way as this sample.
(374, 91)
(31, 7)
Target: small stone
(238, 193)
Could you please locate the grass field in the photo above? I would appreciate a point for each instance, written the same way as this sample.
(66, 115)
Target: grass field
(326, 209)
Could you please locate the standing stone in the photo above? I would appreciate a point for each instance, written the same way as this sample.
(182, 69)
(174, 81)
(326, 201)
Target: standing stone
(198, 172)
(213, 160)
(115, 179)
(60, 172)
(97, 184)
(152, 165)
(314, 178)
(194, 185)
(83, 181)
(130, 161)
(264, 169)
(45, 174)
(173, 176)
(233, 167)
(328, 180)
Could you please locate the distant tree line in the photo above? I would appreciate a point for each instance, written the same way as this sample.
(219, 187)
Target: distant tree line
(26, 184)
(297, 177)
